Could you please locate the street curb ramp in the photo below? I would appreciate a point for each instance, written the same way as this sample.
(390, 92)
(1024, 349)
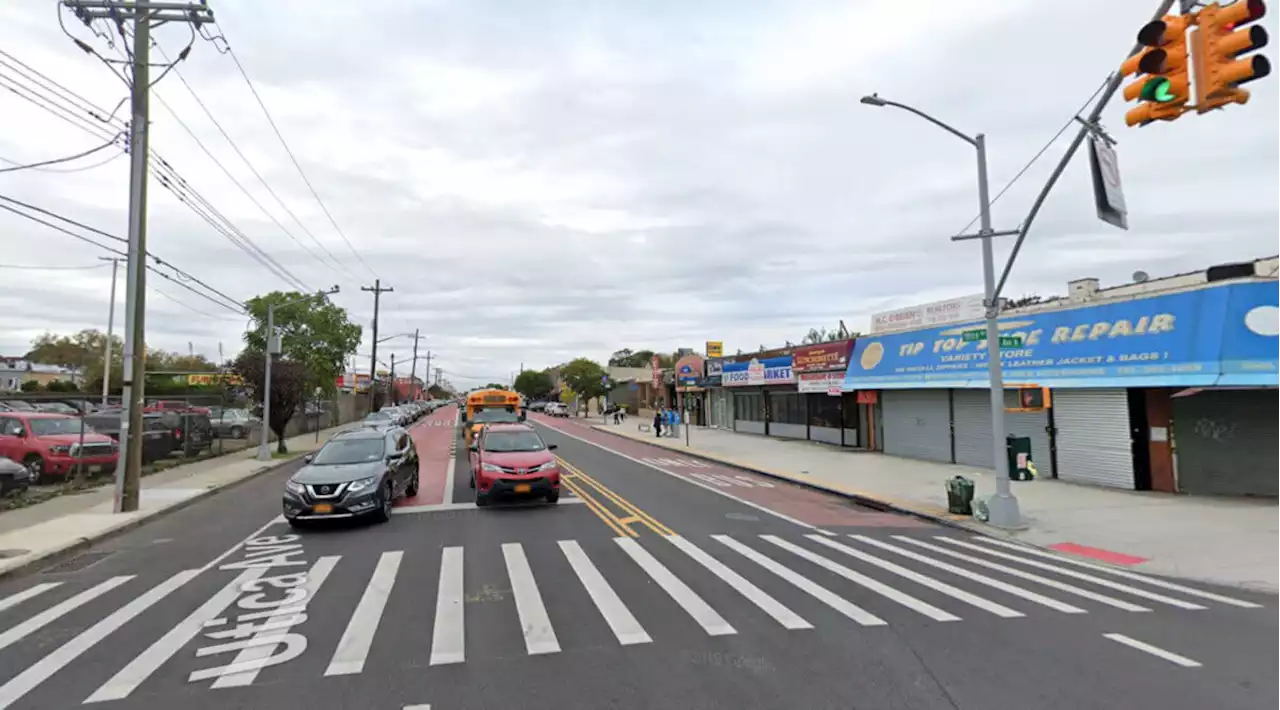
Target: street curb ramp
(57, 554)
(862, 499)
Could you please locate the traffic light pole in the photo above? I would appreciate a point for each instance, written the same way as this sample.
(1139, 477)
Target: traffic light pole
(1089, 126)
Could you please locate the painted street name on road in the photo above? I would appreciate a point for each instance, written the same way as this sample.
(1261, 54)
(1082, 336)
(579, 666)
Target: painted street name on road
(261, 637)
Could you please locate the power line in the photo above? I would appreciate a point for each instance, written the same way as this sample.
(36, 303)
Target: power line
(1038, 154)
(34, 267)
(55, 161)
(69, 107)
(244, 158)
(239, 306)
(80, 169)
(292, 157)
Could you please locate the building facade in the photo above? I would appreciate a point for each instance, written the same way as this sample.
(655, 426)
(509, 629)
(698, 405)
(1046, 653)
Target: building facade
(1157, 389)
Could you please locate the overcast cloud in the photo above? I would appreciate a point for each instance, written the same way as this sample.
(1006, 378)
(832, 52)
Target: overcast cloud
(544, 180)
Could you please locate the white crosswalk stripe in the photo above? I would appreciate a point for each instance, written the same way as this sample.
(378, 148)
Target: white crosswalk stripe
(707, 618)
(358, 638)
(874, 585)
(615, 612)
(251, 632)
(1078, 575)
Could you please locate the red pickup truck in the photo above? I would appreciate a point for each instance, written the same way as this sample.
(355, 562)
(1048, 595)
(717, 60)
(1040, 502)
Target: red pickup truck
(49, 444)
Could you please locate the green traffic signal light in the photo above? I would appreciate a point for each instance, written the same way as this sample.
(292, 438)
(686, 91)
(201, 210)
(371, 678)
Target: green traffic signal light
(1157, 89)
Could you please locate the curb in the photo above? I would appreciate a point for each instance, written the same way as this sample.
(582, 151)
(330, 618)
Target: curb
(70, 549)
(859, 498)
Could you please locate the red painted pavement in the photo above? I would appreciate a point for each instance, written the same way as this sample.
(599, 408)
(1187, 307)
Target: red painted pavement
(434, 436)
(796, 501)
(1115, 558)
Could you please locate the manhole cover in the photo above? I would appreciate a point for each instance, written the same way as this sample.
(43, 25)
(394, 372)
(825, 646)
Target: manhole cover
(743, 517)
(14, 552)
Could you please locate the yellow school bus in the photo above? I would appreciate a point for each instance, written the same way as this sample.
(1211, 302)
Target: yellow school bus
(487, 406)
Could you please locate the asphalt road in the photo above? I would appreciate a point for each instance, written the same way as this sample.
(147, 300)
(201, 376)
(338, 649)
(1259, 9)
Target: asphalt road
(658, 581)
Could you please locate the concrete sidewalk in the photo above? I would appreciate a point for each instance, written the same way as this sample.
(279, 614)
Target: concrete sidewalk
(1223, 540)
(71, 522)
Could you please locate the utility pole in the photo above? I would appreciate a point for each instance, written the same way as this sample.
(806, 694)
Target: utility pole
(393, 381)
(377, 290)
(426, 377)
(413, 370)
(111, 326)
(143, 14)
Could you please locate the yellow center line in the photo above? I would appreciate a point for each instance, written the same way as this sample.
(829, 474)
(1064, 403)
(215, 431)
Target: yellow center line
(600, 511)
(636, 515)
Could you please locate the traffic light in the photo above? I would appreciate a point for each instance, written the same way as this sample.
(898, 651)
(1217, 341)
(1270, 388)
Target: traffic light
(1216, 49)
(1164, 82)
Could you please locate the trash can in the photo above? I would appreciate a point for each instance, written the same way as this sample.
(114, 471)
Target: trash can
(1019, 453)
(960, 496)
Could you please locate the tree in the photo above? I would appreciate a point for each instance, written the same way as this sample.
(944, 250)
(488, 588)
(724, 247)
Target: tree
(495, 386)
(288, 387)
(30, 386)
(437, 392)
(1026, 300)
(567, 395)
(585, 377)
(626, 357)
(316, 335)
(534, 384)
(822, 335)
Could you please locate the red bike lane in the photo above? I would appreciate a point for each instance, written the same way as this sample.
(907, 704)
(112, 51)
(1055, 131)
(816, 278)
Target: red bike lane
(435, 436)
(792, 500)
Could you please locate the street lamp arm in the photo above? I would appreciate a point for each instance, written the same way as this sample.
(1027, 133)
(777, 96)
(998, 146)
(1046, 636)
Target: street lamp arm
(885, 102)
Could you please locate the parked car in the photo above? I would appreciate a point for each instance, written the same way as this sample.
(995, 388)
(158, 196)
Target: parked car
(158, 439)
(557, 409)
(360, 472)
(13, 476)
(50, 444)
(512, 461)
(233, 423)
(174, 405)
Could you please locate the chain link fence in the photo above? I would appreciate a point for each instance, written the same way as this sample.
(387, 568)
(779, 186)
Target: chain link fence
(65, 442)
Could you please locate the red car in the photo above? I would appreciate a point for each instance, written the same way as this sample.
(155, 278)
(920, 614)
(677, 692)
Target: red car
(512, 461)
(49, 444)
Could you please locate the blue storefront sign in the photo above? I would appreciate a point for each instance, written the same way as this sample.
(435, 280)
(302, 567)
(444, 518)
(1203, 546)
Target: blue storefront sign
(1224, 335)
(755, 372)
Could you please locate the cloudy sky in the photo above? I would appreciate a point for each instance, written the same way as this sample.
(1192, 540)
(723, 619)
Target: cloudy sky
(544, 180)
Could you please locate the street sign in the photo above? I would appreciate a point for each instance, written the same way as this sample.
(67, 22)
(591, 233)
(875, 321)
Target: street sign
(1108, 196)
(973, 336)
(1010, 341)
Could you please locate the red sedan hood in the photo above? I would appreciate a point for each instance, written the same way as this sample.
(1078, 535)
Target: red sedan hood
(518, 459)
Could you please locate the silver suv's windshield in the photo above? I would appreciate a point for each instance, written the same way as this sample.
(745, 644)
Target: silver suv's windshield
(349, 451)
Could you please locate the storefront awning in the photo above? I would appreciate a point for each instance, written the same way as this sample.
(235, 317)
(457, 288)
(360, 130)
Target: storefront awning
(1012, 380)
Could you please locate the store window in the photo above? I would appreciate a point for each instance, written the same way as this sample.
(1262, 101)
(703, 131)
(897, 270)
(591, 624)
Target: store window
(787, 408)
(825, 411)
(748, 407)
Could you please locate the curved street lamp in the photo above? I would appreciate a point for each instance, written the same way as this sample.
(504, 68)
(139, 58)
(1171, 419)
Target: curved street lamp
(1003, 506)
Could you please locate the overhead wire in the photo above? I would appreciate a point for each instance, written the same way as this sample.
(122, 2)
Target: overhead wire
(234, 146)
(180, 273)
(54, 161)
(285, 144)
(78, 169)
(77, 111)
(1039, 154)
(38, 267)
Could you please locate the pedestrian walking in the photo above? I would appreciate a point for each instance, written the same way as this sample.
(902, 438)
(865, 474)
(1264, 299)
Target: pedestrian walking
(657, 423)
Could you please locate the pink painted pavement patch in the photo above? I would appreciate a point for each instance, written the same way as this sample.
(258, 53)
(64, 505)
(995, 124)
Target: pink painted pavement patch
(1097, 553)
